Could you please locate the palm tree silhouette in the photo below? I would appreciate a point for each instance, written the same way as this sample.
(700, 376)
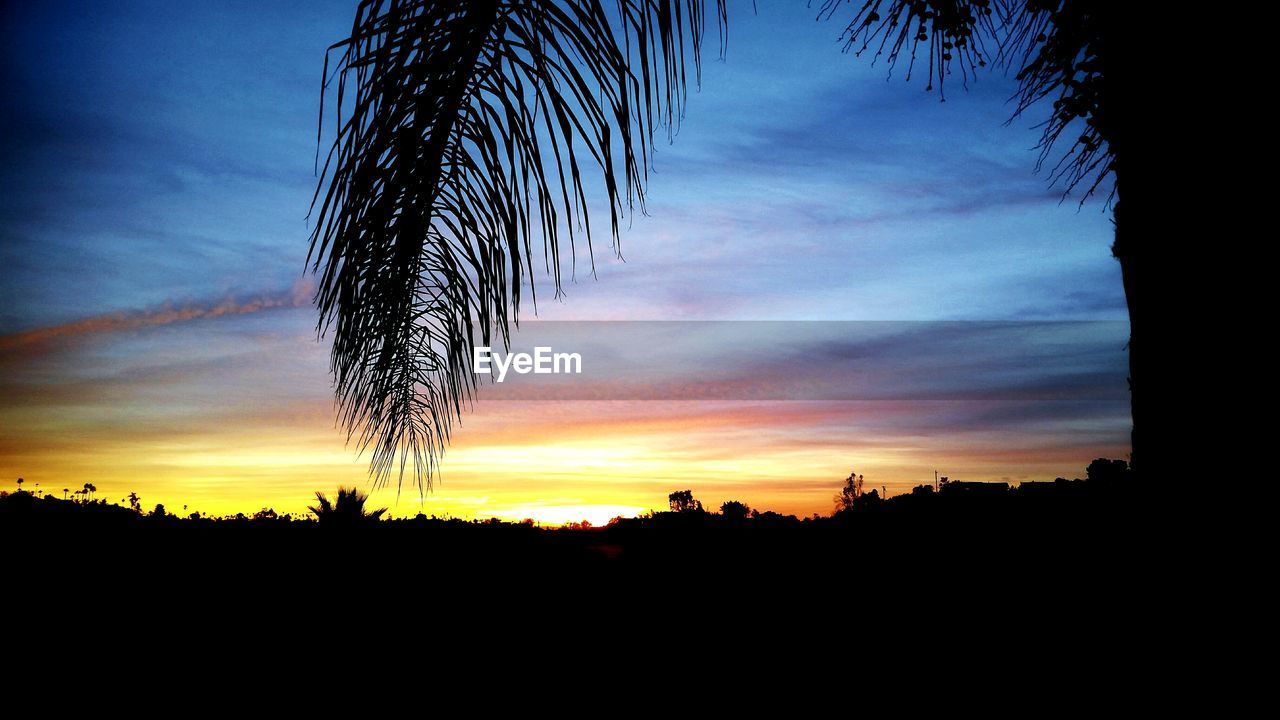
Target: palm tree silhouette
(465, 129)
(1075, 54)
(348, 509)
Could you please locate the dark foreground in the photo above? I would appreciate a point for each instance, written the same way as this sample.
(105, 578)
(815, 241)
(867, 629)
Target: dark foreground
(1066, 584)
(1077, 539)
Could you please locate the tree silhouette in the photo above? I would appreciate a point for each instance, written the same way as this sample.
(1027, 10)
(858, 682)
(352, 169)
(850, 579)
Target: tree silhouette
(1070, 53)
(734, 510)
(683, 501)
(464, 129)
(849, 493)
(1103, 470)
(347, 509)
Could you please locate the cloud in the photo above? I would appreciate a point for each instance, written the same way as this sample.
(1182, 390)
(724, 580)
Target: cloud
(777, 360)
(299, 295)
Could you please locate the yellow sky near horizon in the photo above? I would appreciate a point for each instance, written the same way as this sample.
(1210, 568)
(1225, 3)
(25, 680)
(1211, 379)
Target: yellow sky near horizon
(552, 462)
(231, 412)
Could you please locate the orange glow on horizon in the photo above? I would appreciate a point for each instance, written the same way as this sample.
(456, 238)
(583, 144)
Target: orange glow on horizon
(224, 418)
(554, 463)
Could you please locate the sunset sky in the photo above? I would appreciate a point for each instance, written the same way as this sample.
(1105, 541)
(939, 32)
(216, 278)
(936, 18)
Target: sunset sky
(157, 333)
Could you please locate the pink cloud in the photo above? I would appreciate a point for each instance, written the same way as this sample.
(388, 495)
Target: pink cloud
(297, 296)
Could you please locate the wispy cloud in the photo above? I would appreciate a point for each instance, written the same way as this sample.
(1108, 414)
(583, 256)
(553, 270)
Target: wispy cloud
(297, 296)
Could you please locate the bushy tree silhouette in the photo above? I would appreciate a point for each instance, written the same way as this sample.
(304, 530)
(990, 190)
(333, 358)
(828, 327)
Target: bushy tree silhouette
(734, 510)
(682, 501)
(1103, 470)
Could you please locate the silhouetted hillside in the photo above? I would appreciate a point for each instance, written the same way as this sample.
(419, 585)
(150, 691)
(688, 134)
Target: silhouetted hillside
(950, 519)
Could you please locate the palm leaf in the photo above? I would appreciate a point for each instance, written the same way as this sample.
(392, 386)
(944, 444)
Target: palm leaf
(1056, 46)
(1060, 48)
(470, 138)
(939, 34)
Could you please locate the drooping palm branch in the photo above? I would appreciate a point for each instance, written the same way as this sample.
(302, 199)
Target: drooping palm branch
(944, 31)
(1069, 52)
(1061, 51)
(1055, 47)
(470, 139)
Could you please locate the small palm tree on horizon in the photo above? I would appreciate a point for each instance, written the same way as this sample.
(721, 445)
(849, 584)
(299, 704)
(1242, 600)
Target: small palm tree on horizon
(348, 508)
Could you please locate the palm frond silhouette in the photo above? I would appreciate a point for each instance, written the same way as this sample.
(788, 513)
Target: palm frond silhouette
(1069, 54)
(1057, 47)
(347, 509)
(471, 135)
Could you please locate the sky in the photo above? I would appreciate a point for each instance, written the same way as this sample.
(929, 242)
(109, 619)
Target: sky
(157, 334)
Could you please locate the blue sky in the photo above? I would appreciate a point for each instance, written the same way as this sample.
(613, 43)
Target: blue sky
(159, 167)
(163, 153)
